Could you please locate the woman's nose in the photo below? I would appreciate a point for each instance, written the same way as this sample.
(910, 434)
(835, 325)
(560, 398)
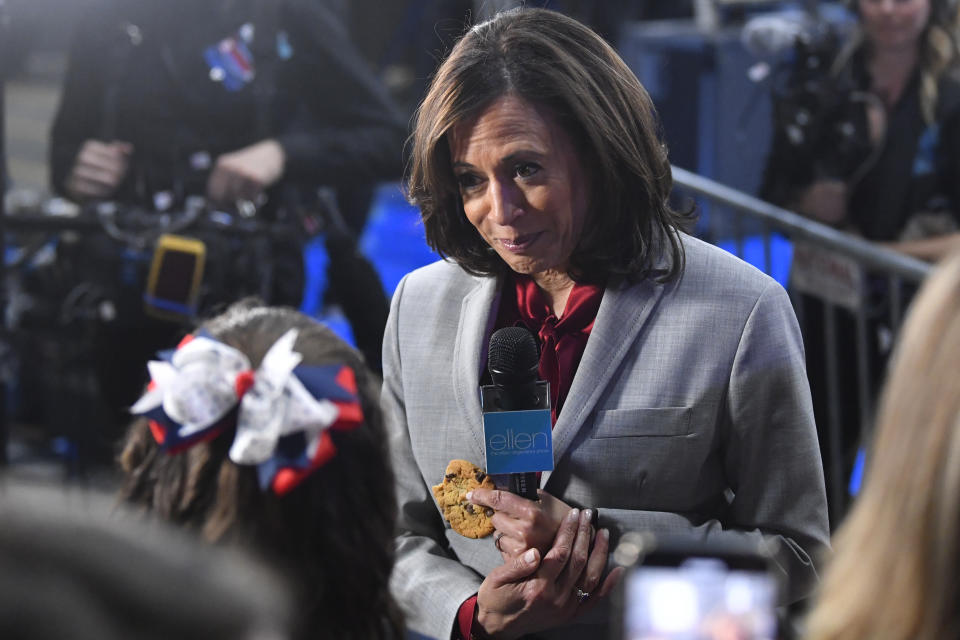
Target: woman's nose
(505, 202)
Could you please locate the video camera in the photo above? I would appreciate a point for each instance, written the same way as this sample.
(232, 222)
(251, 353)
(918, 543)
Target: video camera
(819, 116)
(111, 262)
(818, 111)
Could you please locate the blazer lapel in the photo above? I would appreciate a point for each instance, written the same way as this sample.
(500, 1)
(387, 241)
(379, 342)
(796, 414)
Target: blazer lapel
(624, 310)
(477, 312)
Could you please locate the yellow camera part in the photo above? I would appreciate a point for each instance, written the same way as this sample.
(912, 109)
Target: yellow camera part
(176, 272)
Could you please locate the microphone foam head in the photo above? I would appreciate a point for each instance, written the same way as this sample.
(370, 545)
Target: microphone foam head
(513, 351)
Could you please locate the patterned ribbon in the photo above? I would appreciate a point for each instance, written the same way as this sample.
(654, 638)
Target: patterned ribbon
(282, 412)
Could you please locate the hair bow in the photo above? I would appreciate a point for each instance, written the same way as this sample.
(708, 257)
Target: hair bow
(282, 411)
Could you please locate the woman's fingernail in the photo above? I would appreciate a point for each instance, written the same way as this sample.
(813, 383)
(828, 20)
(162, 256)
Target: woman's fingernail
(574, 514)
(469, 495)
(529, 556)
(588, 515)
(605, 534)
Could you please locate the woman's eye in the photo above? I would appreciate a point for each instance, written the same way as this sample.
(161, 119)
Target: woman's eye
(527, 169)
(467, 180)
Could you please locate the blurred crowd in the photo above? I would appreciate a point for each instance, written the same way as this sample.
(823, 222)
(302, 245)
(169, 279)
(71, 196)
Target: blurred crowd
(230, 420)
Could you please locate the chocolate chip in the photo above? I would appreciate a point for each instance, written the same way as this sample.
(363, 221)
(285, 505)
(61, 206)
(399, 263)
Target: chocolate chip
(489, 512)
(450, 476)
(480, 476)
(469, 508)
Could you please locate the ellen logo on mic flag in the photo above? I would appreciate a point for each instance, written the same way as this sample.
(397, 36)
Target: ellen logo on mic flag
(518, 441)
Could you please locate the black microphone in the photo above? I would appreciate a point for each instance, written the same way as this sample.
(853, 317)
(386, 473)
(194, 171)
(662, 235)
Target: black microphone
(513, 359)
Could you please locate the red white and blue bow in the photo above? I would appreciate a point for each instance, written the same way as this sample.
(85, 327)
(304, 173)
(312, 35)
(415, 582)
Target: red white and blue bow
(283, 411)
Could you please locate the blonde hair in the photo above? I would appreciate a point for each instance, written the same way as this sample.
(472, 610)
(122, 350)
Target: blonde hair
(939, 50)
(895, 571)
(938, 53)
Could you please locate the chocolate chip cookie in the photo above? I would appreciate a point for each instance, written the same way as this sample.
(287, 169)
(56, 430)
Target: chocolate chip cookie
(466, 519)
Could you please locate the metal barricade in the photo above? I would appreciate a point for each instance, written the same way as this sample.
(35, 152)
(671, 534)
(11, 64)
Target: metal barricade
(837, 270)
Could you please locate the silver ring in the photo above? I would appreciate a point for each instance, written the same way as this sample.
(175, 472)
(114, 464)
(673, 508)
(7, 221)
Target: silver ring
(582, 595)
(496, 541)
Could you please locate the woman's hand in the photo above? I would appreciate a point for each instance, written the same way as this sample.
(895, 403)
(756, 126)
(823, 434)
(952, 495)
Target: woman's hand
(521, 523)
(99, 169)
(244, 174)
(526, 595)
(825, 201)
(931, 249)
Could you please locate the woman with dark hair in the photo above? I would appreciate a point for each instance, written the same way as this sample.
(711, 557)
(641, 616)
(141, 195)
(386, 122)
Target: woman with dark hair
(263, 430)
(676, 371)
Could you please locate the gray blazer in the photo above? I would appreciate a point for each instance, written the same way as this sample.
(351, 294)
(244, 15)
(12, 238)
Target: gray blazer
(690, 412)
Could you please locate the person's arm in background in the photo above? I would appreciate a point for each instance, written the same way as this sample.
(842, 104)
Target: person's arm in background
(825, 201)
(81, 166)
(348, 130)
(343, 130)
(933, 248)
(246, 173)
(792, 186)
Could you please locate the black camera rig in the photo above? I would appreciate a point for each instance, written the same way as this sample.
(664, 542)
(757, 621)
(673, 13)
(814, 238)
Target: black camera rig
(820, 126)
(101, 262)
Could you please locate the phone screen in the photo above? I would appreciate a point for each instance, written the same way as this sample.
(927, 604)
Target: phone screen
(699, 598)
(175, 277)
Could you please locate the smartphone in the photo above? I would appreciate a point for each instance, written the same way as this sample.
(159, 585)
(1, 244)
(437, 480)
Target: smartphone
(684, 590)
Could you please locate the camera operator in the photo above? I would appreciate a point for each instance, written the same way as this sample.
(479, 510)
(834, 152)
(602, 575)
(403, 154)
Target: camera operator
(895, 88)
(250, 103)
(867, 139)
(154, 86)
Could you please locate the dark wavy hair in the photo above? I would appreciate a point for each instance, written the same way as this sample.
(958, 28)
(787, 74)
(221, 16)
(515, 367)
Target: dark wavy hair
(332, 535)
(553, 62)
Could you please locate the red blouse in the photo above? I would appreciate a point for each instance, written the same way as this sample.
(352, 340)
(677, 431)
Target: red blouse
(562, 340)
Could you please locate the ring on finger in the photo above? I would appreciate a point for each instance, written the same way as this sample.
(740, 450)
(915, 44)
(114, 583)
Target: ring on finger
(496, 541)
(582, 595)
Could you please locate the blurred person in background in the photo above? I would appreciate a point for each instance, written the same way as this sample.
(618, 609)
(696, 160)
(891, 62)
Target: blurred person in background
(869, 142)
(224, 99)
(894, 572)
(678, 396)
(73, 565)
(263, 430)
(900, 72)
(250, 103)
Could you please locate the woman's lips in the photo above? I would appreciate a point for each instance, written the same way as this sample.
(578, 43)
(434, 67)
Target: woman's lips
(520, 243)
